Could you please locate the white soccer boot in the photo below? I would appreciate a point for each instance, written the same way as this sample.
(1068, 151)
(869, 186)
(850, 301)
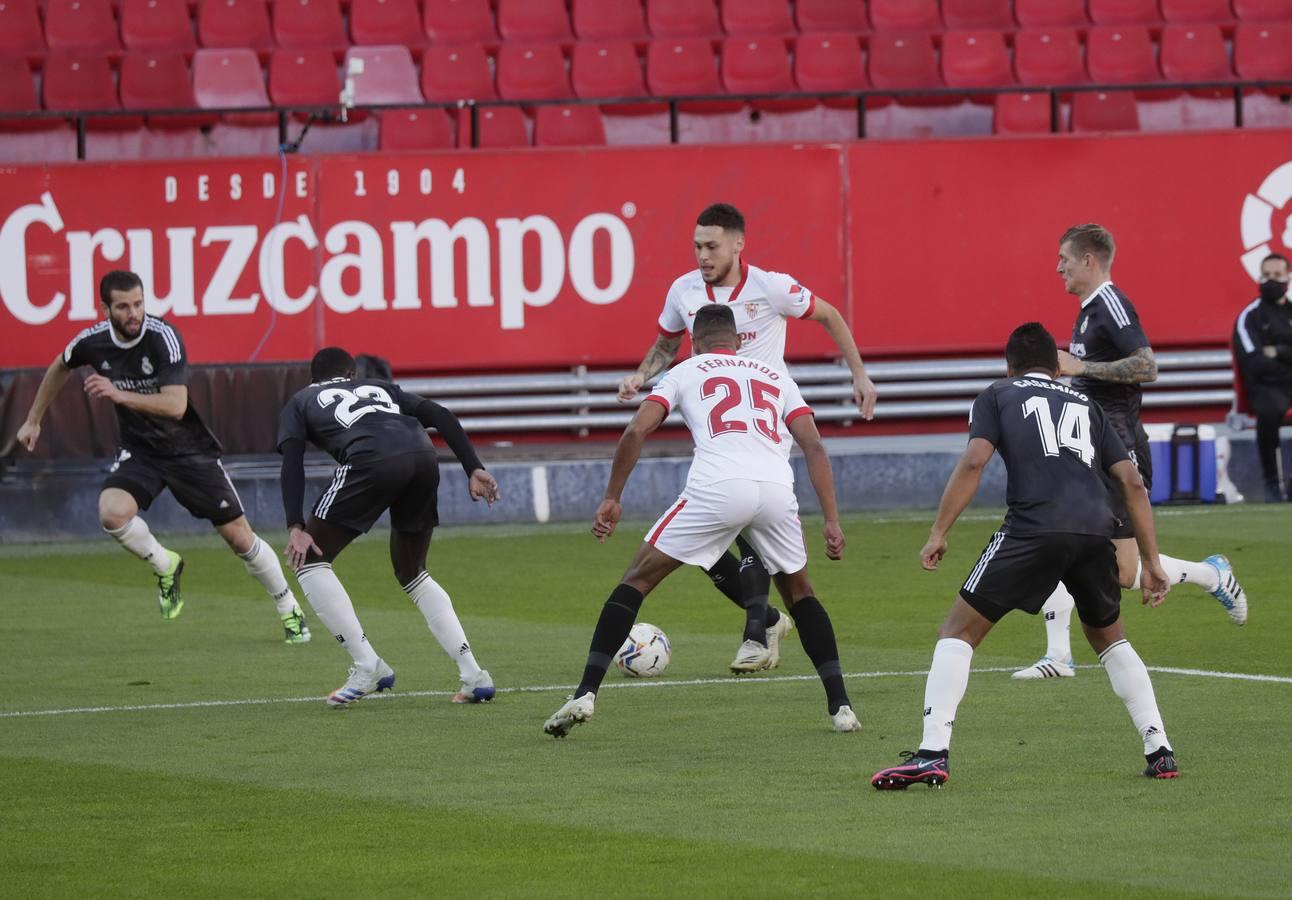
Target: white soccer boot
(784, 625)
(361, 683)
(751, 657)
(576, 711)
(478, 689)
(845, 720)
(1230, 593)
(1047, 667)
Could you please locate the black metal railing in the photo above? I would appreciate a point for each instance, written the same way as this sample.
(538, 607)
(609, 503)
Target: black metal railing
(1237, 89)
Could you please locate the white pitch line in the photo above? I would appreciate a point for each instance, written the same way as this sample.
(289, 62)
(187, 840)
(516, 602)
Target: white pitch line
(556, 688)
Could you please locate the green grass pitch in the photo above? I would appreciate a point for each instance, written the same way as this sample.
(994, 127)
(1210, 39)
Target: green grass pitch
(733, 788)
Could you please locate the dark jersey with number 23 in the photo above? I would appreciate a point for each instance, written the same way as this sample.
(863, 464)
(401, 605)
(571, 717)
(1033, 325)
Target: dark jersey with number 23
(355, 421)
(1056, 444)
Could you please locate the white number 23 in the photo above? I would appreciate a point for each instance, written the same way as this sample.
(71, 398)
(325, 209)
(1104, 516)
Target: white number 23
(354, 405)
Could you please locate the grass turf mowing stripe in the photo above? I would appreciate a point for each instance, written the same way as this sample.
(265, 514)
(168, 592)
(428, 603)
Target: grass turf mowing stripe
(550, 688)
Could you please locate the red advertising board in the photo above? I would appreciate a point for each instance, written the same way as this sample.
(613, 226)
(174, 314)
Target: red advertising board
(436, 262)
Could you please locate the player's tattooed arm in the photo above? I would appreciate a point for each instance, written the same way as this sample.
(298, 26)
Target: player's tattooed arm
(52, 382)
(1138, 368)
(658, 358)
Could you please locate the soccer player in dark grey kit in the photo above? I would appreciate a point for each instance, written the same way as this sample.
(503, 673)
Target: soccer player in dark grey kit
(1110, 359)
(385, 460)
(1056, 444)
(140, 365)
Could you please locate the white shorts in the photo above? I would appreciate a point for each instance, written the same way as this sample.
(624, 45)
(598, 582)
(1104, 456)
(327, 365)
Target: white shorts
(704, 521)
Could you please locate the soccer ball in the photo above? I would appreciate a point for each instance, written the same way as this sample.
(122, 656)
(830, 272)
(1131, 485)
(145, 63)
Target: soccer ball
(646, 653)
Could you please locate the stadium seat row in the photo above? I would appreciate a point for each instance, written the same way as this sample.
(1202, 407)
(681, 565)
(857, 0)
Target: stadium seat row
(94, 25)
(823, 63)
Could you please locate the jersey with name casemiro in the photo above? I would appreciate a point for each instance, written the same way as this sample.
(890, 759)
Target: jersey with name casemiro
(1108, 329)
(356, 421)
(738, 411)
(762, 301)
(144, 365)
(1056, 444)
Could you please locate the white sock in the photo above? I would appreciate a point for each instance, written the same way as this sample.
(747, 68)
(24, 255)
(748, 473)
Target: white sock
(263, 566)
(333, 607)
(1131, 683)
(136, 537)
(1181, 571)
(436, 606)
(945, 688)
(1058, 614)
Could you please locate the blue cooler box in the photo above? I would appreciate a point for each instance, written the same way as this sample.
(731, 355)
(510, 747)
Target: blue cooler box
(1174, 473)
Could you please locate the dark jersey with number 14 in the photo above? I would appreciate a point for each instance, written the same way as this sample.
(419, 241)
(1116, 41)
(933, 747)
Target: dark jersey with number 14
(355, 421)
(1056, 444)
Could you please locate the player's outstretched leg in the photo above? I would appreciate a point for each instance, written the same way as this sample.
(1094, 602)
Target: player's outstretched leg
(263, 565)
(1130, 681)
(118, 514)
(437, 608)
(617, 616)
(817, 635)
(1214, 575)
(943, 691)
(1057, 661)
(332, 605)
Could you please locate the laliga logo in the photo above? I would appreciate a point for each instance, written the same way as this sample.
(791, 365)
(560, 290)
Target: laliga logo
(1258, 218)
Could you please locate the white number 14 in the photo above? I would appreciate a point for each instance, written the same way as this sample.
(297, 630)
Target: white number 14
(1073, 431)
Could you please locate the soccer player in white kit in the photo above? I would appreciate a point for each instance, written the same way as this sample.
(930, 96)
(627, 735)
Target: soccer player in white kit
(742, 414)
(761, 301)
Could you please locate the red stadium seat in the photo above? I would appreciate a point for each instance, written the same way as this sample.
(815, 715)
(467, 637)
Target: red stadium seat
(1045, 57)
(905, 15)
(228, 79)
(84, 83)
(977, 14)
(156, 25)
(309, 23)
(160, 81)
(904, 62)
(416, 129)
(533, 20)
(20, 33)
(536, 72)
(304, 77)
(502, 126)
(1105, 111)
(830, 62)
(568, 126)
(1197, 12)
(976, 59)
(18, 95)
(1022, 114)
(1124, 12)
(756, 17)
(1263, 11)
(388, 75)
(1051, 13)
(234, 23)
(753, 65)
(609, 20)
(611, 69)
(459, 22)
(1196, 53)
(1261, 52)
(1121, 56)
(386, 22)
(686, 67)
(450, 74)
(830, 16)
(683, 19)
(82, 26)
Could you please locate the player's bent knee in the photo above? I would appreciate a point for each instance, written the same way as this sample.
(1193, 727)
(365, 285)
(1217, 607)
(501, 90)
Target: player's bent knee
(116, 508)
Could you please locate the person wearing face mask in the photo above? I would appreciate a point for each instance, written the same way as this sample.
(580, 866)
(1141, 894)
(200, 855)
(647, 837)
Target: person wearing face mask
(1262, 345)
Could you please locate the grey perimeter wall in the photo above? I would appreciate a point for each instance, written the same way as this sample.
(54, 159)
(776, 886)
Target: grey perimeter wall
(43, 504)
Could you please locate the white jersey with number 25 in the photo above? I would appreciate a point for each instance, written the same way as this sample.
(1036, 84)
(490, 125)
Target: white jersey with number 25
(737, 410)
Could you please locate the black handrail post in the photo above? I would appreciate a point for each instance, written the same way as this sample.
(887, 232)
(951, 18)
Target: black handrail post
(475, 126)
(861, 118)
(1238, 107)
(672, 122)
(282, 128)
(1055, 116)
(80, 137)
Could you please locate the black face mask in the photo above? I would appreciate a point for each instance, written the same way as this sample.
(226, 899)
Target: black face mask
(1273, 291)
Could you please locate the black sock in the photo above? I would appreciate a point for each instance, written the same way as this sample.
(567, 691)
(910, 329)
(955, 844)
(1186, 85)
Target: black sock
(933, 754)
(754, 585)
(725, 575)
(1158, 754)
(817, 635)
(617, 617)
